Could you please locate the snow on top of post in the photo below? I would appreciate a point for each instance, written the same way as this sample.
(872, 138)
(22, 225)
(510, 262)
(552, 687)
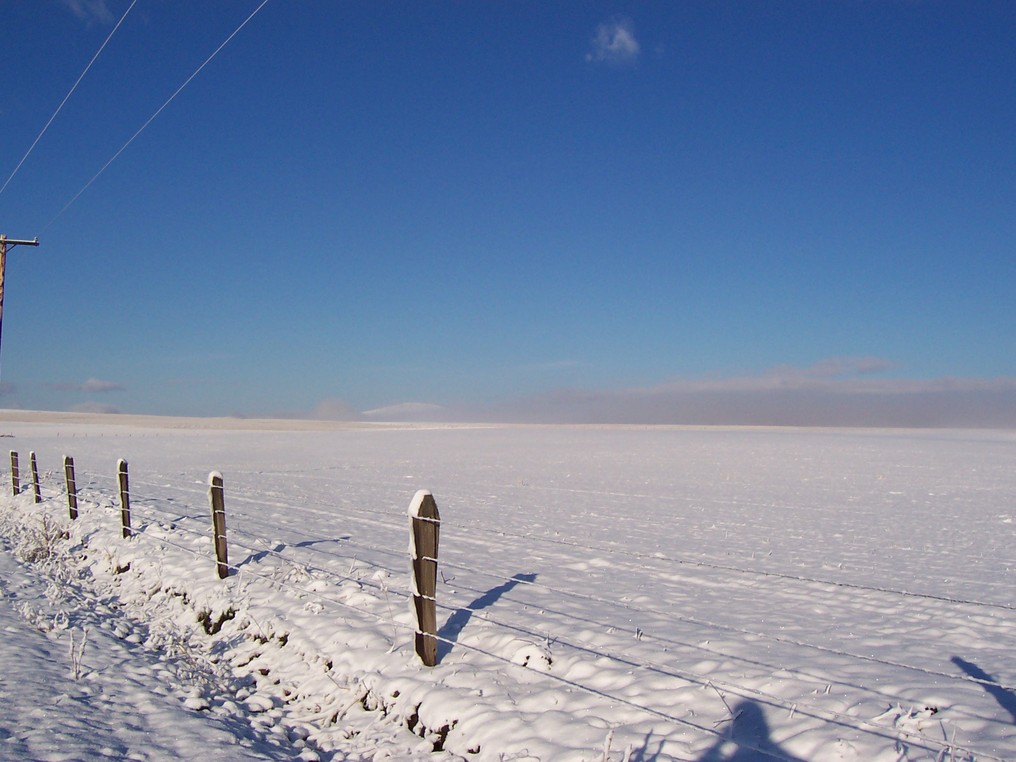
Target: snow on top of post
(213, 476)
(418, 498)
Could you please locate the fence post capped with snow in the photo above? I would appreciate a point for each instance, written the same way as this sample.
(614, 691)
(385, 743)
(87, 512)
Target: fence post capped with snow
(15, 474)
(72, 487)
(217, 500)
(125, 497)
(35, 477)
(425, 525)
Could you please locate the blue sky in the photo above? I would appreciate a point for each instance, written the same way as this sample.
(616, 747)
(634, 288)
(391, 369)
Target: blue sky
(519, 209)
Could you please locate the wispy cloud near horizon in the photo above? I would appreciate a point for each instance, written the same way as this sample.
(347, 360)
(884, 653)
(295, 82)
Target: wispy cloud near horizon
(833, 392)
(838, 366)
(92, 385)
(786, 398)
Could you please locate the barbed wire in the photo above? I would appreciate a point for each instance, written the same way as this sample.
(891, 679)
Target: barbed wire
(622, 656)
(67, 97)
(152, 118)
(599, 599)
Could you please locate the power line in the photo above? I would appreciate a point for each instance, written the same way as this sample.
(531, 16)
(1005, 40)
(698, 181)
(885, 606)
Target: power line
(66, 97)
(153, 116)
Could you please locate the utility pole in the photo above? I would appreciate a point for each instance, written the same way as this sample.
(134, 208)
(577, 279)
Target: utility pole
(8, 243)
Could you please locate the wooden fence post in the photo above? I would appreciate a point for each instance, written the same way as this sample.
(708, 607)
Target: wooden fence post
(15, 474)
(125, 497)
(72, 487)
(425, 525)
(218, 502)
(35, 477)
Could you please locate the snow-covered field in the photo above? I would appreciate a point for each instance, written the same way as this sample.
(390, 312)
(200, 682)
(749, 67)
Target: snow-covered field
(605, 594)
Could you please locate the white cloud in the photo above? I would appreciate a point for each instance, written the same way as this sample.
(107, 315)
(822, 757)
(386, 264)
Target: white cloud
(614, 43)
(90, 10)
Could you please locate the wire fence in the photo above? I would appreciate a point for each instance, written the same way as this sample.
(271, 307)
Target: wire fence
(534, 610)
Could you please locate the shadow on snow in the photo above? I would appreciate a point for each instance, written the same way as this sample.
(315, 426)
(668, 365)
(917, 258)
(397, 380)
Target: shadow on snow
(449, 633)
(253, 558)
(748, 740)
(1005, 697)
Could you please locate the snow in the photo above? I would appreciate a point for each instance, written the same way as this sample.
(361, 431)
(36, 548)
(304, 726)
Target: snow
(76, 686)
(608, 593)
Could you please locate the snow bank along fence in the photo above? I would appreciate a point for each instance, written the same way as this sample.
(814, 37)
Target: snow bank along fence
(425, 525)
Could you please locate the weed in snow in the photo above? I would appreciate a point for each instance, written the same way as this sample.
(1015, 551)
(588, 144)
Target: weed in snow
(77, 652)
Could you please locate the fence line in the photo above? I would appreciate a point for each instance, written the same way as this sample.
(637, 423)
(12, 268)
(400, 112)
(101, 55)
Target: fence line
(798, 707)
(302, 592)
(561, 591)
(654, 557)
(597, 599)
(424, 524)
(424, 581)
